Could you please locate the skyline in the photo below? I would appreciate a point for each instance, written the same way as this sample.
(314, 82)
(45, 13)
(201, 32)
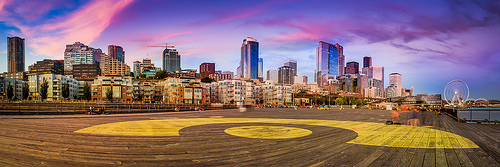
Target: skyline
(428, 42)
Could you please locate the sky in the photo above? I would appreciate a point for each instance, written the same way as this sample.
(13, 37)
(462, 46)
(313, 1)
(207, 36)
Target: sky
(429, 42)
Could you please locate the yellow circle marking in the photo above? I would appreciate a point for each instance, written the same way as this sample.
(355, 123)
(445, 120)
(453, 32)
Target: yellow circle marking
(268, 132)
(369, 133)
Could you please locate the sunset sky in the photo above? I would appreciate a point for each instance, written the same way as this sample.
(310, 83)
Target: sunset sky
(429, 42)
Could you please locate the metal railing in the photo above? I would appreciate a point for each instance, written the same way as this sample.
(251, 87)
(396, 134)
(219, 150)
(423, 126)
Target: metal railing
(479, 115)
(80, 108)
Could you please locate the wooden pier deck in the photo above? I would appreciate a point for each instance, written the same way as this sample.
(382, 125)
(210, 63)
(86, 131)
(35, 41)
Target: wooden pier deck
(263, 137)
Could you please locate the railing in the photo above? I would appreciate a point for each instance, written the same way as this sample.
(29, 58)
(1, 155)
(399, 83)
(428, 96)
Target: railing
(479, 115)
(80, 108)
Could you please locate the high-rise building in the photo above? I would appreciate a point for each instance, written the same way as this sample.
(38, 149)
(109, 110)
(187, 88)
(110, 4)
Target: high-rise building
(367, 61)
(285, 75)
(116, 52)
(300, 80)
(78, 53)
(111, 66)
(330, 62)
(171, 60)
(261, 68)
(206, 69)
(395, 81)
(292, 64)
(378, 73)
(272, 75)
(147, 68)
(15, 52)
(47, 66)
(250, 58)
(238, 72)
(137, 69)
(353, 67)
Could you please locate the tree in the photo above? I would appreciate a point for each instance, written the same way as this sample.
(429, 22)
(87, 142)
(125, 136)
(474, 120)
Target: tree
(44, 89)
(139, 97)
(161, 74)
(86, 91)
(26, 91)
(207, 80)
(109, 94)
(65, 90)
(339, 101)
(10, 91)
(132, 74)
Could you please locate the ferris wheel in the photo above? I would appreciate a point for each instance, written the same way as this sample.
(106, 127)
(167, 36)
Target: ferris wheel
(456, 92)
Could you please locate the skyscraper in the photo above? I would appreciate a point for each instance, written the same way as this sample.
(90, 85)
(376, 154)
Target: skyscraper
(285, 75)
(367, 61)
(137, 69)
(171, 60)
(78, 53)
(207, 69)
(261, 66)
(330, 62)
(15, 51)
(378, 73)
(116, 52)
(250, 58)
(354, 66)
(292, 64)
(395, 80)
(272, 75)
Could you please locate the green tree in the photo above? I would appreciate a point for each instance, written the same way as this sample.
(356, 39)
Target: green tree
(86, 91)
(44, 88)
(132, 74)
(207, 80)
(139, 97)
(339, 101)
(109, 94)
(26, 91)
(65, 90)
(142, 76)
(10, 91)
(161, 74)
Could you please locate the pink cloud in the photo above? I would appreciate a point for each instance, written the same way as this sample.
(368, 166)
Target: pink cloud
(83, 25)
(204, 50)
(156, 39)
(2, 4)
(187, 41)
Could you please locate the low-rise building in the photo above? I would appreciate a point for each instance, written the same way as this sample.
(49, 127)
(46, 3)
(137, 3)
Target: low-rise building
(18, 75)
(147, 91)
(17, 88)
(55, 85)
(184, 90)
(233, 91)
(47, 66)
(120, 86)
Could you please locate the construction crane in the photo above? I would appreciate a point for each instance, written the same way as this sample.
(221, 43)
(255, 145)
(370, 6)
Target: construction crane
(166, 46)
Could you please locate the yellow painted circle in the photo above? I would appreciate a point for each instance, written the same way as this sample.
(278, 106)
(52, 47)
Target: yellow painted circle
(268, 132)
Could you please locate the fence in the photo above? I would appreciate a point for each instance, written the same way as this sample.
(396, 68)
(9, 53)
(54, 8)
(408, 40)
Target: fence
(76, 108)
(479, 115)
